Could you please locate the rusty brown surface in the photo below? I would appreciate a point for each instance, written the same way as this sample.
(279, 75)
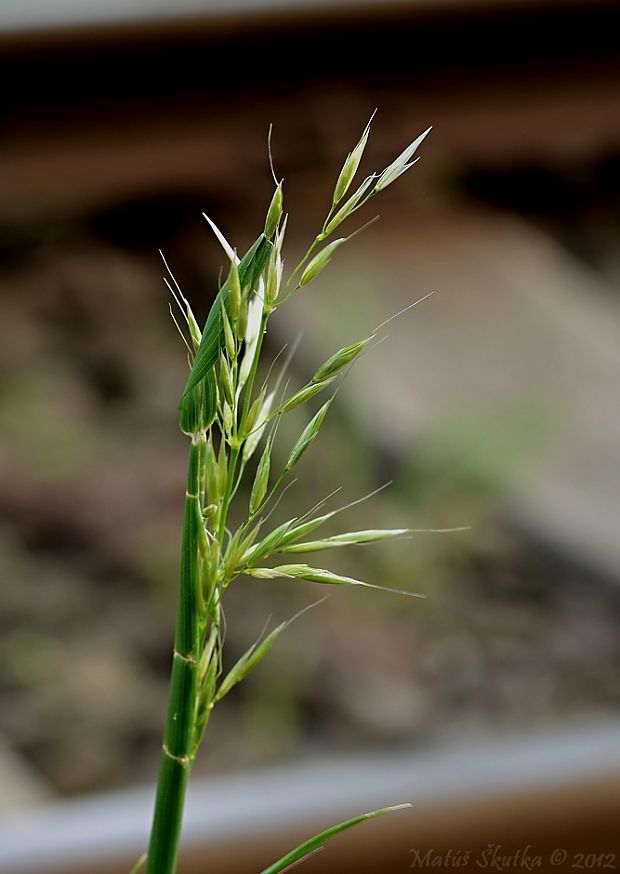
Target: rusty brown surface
(96, 120)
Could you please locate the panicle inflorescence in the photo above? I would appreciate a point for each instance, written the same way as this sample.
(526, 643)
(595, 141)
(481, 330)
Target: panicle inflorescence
(222, 403)
(229, 415)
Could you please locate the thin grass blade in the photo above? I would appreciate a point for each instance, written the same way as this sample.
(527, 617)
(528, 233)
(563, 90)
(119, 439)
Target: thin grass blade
(312, 844)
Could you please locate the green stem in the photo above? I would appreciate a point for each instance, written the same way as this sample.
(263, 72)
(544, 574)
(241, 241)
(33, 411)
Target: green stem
(309, 252)
(319, 239)
(176, 758)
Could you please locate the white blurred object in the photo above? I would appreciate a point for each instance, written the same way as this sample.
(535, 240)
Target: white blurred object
(227, 816)
(26, 14)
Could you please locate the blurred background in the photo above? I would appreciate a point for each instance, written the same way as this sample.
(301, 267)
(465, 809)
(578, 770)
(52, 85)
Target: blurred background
(493, 404)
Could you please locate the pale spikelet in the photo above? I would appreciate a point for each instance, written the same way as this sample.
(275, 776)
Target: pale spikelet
(227, 419)
(349, 207)
(269, 544)
(280, 234)
(230, 252)
(350, 538)
(307, 436)
(234, 552)
(207, 674)
(263, 573)
(234, 293)
(229, 339)
(253, 439)
(400, 164)
(305, 572)
(340, 359)
(255, 313)
(320, 575)
(316, 575)
(274, 212)
(261, 480)
(351, 165)
(248, 660)
(194, 330)
(226, 381)
(305, 528)
(304, 394)
(320, 262)
(242, 318)
(252, 417)
(245, 544)
(256, 653)
(274, 277)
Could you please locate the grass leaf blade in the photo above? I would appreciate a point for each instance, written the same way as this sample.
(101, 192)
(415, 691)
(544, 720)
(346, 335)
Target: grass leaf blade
(313, 844)
(250, 268)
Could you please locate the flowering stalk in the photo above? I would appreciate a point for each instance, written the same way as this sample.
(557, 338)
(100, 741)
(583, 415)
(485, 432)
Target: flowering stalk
(227, 416)
(177, 750)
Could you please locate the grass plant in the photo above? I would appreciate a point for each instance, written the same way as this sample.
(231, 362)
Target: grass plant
(231, 419)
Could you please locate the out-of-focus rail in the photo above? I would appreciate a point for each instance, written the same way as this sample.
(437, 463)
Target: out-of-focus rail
(559, 790)
(101, 111)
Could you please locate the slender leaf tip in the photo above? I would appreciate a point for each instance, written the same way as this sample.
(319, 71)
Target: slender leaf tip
(313, 844)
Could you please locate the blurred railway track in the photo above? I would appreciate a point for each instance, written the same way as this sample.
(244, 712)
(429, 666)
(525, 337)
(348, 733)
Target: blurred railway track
(105, 111)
